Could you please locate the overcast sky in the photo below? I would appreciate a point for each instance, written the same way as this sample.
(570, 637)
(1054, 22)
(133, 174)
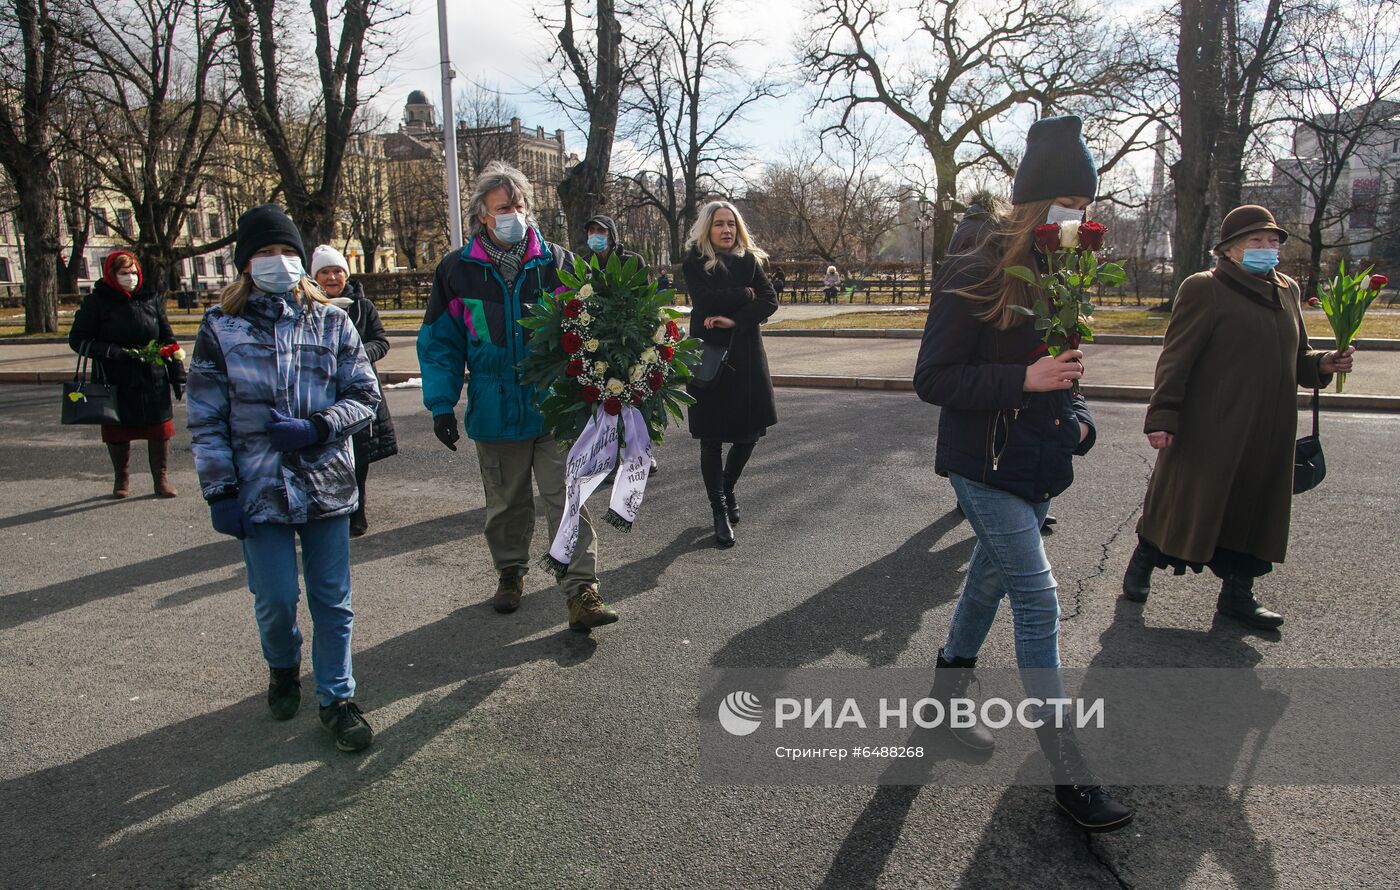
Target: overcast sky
(498, 43)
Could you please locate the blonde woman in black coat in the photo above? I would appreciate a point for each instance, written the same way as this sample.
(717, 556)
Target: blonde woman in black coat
(731, 297)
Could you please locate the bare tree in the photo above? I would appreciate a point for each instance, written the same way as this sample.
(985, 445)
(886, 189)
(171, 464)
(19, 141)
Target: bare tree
(151, 114)
(484, 129)
(1344, 110)
(417, 210)
(968, 65)
(34, 69)
(689, 93)
(264, 51)
(78, 188)
(365, 197)
(592, 55)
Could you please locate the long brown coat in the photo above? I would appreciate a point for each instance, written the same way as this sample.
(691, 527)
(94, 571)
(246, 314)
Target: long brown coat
(1227, 388)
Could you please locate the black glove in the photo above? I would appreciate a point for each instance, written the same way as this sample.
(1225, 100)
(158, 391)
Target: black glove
(445, 428)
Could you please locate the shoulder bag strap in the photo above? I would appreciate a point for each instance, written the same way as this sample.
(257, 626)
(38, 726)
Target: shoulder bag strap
(1303, 344)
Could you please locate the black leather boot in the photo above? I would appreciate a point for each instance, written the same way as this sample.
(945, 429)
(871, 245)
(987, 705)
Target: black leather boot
(951, 679)
(712, 471)
(1137, 580)
(1077, 793)
(731, 505)
(1237, 601)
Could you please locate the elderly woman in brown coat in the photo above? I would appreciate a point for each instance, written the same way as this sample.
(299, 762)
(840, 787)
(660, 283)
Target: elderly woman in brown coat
(1224, 419)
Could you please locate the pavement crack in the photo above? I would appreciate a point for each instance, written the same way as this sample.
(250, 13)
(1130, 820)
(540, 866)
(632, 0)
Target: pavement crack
(1103, 860)
(1082, 582)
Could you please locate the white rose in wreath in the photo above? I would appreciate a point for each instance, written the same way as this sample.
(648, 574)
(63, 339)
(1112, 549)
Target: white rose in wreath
(615, 386)
(584, 318)
(634, 373)
(660, 335)
(649, 356)
(592, 346)
(600, 368)
(586, 291)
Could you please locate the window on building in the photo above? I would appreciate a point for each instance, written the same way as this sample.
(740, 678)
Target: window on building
(124, 222)
(99, 221)
(199, 267)
(1364, 201)
(219, 265)
(5, 269)
(83, 268)
(192, 226)
(213, 225)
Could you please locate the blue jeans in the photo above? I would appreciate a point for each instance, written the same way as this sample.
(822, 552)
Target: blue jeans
(270, 554)
(1008, 561)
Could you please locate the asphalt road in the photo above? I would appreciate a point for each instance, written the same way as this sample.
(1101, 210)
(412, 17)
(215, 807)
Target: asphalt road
(136, 749)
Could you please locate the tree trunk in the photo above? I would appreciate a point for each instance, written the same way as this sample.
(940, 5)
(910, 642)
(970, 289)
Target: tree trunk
(582, 193)
(1201, 82)
(39, 217)
(1315, 248)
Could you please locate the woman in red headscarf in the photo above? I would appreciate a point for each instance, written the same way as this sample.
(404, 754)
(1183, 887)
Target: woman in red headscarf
(121, 316)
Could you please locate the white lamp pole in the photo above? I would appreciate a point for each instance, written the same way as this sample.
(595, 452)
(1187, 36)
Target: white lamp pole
(449, 134)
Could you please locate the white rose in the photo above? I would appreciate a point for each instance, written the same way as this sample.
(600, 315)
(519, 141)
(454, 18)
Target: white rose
(634, 373)
(663, 314)
(600, 368)
(584, 318)
(180, 354)
(649, 355)
(615, 386)
(592, 346)
(1069, 235)
(586, 291)
(660, 335)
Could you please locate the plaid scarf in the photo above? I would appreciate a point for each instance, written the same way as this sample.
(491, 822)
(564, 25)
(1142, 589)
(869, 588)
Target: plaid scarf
(507, 261)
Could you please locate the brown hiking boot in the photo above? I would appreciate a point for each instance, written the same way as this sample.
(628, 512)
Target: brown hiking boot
(509, 590)
(587, 610)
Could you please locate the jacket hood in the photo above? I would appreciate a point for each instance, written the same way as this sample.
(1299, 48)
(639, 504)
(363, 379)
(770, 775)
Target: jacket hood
(607, 223)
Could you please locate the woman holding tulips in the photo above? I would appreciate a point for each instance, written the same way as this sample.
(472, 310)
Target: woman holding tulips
(116, 326)
(1010, 426)
(1223, 419)
(731, 296)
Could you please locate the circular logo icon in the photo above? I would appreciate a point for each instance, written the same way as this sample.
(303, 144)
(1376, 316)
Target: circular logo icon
(740, 713)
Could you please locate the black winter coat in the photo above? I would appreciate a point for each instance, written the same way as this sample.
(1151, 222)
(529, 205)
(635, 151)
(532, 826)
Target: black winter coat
(379, 437)
(740, 406)
(991, 430)
(108, 322)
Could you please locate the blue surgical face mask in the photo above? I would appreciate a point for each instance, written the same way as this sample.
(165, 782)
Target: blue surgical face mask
(510, 227)
(276, 274)
(597, 243)
(1259, 259)
(1059, 214)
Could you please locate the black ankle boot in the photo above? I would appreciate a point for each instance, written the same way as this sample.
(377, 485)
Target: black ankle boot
(731, 505)
(951, 679)
(712, 472)
(1077, 793)
(1137, 580)
(1237, 601)
(724, 532)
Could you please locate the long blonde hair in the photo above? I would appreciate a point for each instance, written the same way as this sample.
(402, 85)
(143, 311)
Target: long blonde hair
(235, 294)
(699, 237)
(1011, 243)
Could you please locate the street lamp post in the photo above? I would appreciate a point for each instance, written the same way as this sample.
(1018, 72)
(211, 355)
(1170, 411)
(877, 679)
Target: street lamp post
(922, 223)
(561, 224)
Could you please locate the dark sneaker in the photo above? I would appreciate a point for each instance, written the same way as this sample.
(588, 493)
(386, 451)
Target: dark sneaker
(587, 611)
(284, 692)
(1092, 808)
(509, 589)
(346, 723)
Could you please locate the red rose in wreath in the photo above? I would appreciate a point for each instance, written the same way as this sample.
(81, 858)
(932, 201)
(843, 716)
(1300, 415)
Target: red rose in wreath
(590, 394)
(574, 368)
(1091, 235)
(612, 405)
(571, 342)
(656, 380)
(1047, 237)
(573, 308)
(673, 330)
(666, 353)
(638, 396)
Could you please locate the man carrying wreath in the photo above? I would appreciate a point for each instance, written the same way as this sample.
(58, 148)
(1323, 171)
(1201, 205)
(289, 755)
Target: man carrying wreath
(479, 295)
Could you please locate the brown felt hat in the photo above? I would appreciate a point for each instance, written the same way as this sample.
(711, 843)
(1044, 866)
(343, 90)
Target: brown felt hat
(1246, 219)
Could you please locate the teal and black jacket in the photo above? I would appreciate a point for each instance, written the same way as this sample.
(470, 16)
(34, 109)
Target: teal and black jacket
(473, 325)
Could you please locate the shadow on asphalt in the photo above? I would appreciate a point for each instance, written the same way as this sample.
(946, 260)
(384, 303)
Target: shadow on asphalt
(61, 511)
(152, 803)
(1027, 842)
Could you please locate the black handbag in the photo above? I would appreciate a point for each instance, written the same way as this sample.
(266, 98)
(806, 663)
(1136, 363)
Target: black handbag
(1309, 464)
(712, 364)
(88, 401)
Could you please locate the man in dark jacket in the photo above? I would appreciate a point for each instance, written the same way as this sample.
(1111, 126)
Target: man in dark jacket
(601, 241)
(479, 295)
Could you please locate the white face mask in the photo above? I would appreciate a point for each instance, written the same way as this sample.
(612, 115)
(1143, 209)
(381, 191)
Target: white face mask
(275, 274)
(1060, 214)
(128, 280)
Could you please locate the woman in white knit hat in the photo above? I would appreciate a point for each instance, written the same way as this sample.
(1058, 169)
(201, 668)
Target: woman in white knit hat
(332, 273)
